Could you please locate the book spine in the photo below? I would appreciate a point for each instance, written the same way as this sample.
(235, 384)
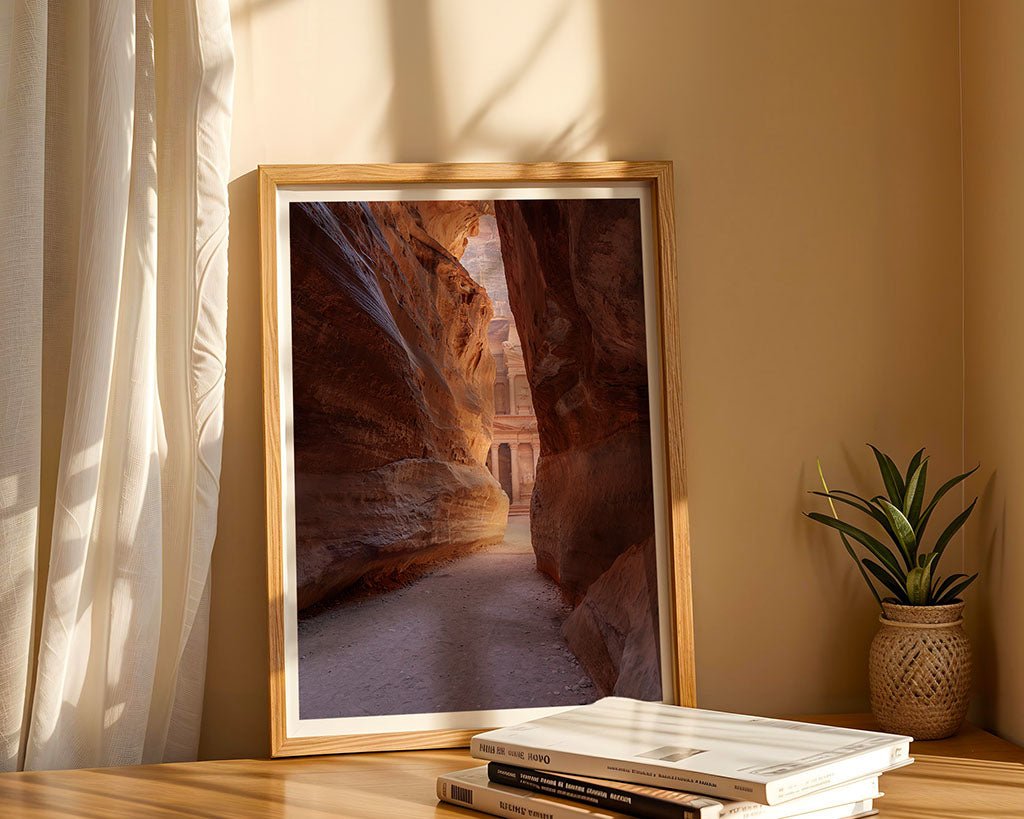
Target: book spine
(621, 770)
(856, 791)
(513, 806)
(837, 773)
(566, 787)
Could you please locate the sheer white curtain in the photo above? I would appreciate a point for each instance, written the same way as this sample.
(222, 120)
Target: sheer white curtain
(113, 245)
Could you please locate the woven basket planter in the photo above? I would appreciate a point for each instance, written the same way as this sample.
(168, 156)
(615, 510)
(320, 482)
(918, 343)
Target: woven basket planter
(919, 670)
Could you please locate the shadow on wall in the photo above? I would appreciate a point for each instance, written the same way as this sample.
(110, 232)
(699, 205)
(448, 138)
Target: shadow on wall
(237, 700)
(982, 612)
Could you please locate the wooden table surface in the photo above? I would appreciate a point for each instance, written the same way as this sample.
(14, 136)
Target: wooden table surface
(974, 774)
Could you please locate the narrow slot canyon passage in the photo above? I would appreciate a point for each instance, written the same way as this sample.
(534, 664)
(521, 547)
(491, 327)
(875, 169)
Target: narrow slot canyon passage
(480, 629)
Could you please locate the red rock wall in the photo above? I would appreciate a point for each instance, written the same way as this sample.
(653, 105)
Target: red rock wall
(392, 380)
(575, 283)
(614, 630)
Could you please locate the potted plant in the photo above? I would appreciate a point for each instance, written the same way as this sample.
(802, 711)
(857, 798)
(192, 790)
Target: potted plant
(920, 661)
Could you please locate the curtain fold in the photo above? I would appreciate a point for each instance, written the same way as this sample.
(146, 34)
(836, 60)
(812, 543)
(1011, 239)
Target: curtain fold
(122, 636)
(193, 136)
(22, 132)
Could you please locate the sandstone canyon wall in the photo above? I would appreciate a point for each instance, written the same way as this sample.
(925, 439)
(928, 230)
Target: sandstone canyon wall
(392, 381)
(575, 284)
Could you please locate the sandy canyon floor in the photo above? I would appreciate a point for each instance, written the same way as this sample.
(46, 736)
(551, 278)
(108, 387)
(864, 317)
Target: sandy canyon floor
(479, 632)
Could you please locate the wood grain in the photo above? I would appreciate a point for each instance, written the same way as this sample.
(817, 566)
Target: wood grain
(474, 173)
(669, 331)
(658, 175)
(267, 212)
(941, 783)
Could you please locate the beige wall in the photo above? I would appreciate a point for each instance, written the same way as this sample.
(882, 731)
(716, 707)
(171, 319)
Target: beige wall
(817, 159)
(993, 83)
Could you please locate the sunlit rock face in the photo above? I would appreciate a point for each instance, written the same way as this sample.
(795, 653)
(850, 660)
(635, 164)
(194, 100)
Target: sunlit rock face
(392, 380)
(452, 223)
(575, 286)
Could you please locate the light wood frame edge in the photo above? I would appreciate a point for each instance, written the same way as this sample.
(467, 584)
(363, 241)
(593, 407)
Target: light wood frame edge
(659, 176)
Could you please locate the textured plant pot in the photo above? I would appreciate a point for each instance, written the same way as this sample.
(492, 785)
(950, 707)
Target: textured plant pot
(919, 670)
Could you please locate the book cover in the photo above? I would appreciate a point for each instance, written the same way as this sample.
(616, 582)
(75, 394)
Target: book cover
(636, 800)
(472, 789)
(733, 756)
(658, 803)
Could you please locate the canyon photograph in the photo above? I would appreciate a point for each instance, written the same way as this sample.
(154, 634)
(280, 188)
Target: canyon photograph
(474, 493)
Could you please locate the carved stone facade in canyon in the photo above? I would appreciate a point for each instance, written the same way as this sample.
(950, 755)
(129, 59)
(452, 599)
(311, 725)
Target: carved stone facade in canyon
(515, 443)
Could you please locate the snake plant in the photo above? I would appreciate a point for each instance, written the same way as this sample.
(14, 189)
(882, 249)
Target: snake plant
(906, 570)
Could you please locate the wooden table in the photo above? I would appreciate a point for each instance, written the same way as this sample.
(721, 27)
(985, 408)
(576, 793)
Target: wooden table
(974, 774)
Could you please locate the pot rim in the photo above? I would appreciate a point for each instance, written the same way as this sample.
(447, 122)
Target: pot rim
(891, 601)
(945, 614)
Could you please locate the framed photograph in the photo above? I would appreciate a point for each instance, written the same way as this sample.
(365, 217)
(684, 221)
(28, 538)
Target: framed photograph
(476, 503)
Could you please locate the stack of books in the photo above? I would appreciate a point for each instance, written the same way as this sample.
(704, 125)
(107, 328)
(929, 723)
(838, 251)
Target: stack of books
(621, 757)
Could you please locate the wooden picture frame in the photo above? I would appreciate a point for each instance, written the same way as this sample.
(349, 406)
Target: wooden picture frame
(412, 184)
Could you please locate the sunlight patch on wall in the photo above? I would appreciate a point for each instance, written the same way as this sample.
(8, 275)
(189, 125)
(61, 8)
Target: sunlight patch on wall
(497, 61)
(321, 70)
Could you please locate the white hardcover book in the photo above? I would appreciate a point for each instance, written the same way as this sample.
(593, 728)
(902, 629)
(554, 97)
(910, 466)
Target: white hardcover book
(471, 788)
(855, 810)
(835, 803)
(841, 796)
(733, 756)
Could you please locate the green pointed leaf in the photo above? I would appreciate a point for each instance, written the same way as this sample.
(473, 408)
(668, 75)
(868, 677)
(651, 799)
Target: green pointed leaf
(915, 508)
(927, 559)
(890, 476)
(915, 492)
(875, 505)
(904, 532)
(940, 588)
(886, 580)
(919, 581)
(939, 494)
(952, 594)
(849, 495)
(953, 528)
(873, 545)
(915, 462)
(926, 566)
(860, 506)
(842, 537)
(853, 554)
